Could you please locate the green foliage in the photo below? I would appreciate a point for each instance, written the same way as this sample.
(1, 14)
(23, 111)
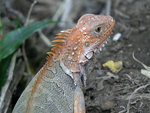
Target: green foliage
(4, 65)
(1, 26)
(11, 41)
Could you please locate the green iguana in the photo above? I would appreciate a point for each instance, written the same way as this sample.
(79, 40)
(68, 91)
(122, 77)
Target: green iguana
(56, 88)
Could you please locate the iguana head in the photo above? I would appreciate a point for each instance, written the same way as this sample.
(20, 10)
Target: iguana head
(95, 29)
(78, 45)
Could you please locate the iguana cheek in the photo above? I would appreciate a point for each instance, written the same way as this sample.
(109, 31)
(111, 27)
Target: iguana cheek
(82, 58)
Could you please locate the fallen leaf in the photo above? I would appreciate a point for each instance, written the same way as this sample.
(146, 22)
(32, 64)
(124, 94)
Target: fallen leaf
(113, 66)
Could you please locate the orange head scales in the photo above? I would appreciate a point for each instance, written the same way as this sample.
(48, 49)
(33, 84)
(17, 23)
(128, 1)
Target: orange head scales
(78, 45)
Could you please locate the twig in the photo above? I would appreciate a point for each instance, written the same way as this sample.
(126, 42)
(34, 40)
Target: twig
(122, 110)
(146, 67)
(142, 96)
(67, 9)
(59, 11)
(23, 46)
(105, 78)
(29, 13)
(56, 17)
(44, 38)
(108, 7)
(19, 68)
(7, 84)
(131, 96)
(122, 14)
(25, 57)
(13, 14)
(109, 76)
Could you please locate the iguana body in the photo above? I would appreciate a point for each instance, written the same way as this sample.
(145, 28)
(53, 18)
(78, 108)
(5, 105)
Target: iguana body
(56, 88)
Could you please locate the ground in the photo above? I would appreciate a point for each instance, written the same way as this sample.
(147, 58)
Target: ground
(115, 94)
(128, 90)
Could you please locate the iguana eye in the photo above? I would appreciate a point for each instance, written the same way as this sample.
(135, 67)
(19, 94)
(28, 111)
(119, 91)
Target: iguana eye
(98, 29)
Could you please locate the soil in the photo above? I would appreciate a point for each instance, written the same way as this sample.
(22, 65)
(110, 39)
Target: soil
(114, 96)
(128, 90)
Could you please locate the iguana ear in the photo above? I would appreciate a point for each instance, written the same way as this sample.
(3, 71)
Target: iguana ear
(89, 55)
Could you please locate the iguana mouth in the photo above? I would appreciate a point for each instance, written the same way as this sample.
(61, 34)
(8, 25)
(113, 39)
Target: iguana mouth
(103, 44)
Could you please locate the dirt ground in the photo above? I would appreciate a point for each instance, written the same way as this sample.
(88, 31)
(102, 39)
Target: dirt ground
(112, 95)
(128, 90)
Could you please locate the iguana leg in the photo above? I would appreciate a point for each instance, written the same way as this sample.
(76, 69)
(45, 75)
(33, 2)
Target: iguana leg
(79, 104)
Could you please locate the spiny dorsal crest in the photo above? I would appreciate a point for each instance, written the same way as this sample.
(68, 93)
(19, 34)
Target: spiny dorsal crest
(59, 40)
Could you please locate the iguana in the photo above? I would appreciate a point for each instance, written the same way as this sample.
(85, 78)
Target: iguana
(56, 88)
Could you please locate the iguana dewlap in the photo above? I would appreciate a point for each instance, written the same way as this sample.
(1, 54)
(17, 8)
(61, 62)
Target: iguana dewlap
(56, 88)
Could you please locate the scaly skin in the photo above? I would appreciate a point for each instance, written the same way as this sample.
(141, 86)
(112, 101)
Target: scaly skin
(56, 88)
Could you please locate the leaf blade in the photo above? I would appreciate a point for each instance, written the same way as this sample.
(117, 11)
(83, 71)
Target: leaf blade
(11, 41)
